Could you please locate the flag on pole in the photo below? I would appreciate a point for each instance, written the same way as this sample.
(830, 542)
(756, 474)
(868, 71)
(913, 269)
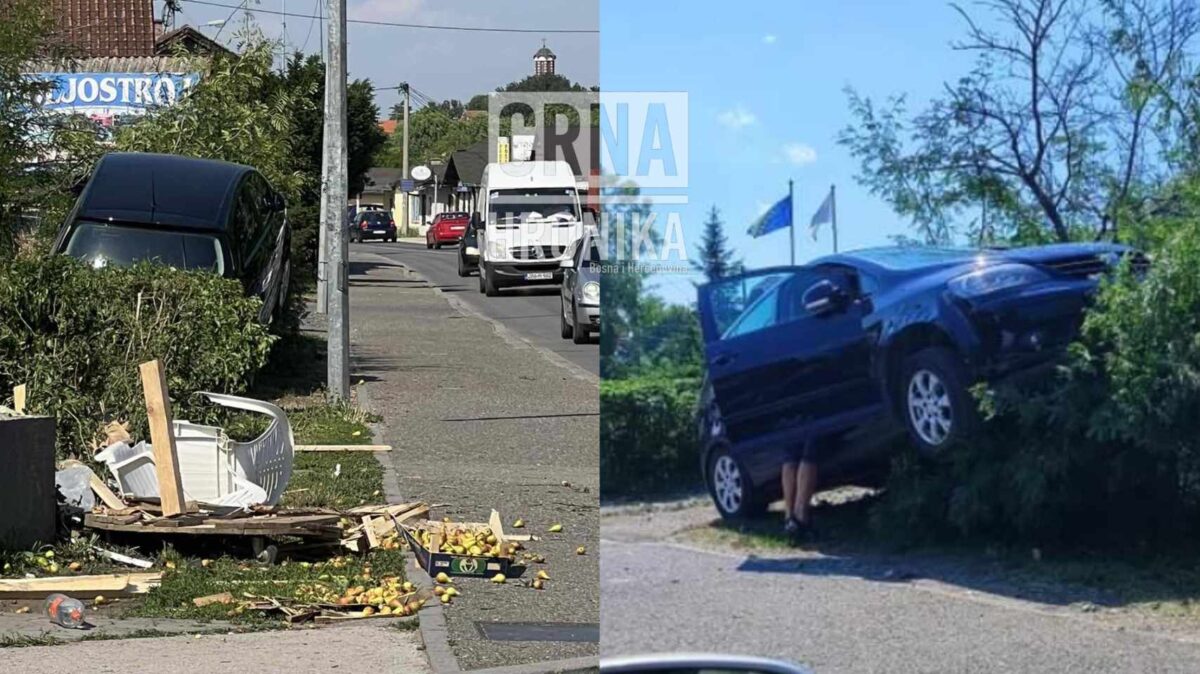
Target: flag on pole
(776, 217)
(824, 215)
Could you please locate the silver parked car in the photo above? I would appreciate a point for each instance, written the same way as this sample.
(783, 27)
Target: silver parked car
(580, 296)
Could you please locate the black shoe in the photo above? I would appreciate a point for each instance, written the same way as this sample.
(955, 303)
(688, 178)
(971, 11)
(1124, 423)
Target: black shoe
(797, 532)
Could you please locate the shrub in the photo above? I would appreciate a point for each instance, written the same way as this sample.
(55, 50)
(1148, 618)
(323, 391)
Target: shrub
(75, 337)
(647, 435)
(1106, 451)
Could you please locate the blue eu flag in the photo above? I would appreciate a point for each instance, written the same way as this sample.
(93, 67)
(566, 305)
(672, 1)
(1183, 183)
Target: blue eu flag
(776, 217)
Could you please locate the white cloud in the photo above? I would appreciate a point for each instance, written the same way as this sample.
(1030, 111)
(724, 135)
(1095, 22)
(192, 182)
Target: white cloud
(737, 118)
(770, 39)
(799, 153)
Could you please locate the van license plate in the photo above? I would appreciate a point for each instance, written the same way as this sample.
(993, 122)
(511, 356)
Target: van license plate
(539, 276)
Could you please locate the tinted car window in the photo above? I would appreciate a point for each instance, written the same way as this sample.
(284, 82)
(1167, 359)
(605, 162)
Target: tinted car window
(100, 245)
(763, 314)
(376, 218)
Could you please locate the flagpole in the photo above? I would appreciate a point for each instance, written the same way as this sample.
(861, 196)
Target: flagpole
(791, 223)
(833, 215)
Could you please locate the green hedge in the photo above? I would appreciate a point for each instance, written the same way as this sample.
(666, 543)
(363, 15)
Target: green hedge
(76, 335)
(648, 436)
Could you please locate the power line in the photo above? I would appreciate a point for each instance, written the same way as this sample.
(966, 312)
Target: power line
(313, 22)
(474, 29)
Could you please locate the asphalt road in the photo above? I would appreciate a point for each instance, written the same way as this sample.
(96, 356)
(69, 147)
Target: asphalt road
(480, 419)
(848, 615)
(530, 312)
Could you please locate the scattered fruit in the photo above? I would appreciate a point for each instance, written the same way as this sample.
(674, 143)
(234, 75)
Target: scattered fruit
(442, 577)
(445, 599)
(368, 611)
(581, 550)
(49, 554)
(519, 524)
(23, 609)
(498, 578)
(452, 592)
(543, 575)
(554, 529)
(538, 584)
(75, 566)
(439, 590)
(206, 563)
(99, 600)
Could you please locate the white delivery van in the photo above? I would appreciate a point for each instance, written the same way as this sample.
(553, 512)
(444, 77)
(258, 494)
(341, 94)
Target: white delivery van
(529, 215)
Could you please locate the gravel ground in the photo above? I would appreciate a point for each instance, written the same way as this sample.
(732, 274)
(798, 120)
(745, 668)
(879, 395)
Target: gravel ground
(479, 420)
(369, 646)
(841, 615)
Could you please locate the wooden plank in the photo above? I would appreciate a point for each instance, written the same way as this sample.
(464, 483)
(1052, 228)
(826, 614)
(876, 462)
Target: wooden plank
(111, 500)
(342, 448)
(369, 527)
(109, 585)
(166, 463)
(19, 398)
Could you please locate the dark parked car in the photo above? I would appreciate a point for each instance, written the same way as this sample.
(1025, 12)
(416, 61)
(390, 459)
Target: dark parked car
(468, 250)
(373, 225)
(871, 345)
(579, 299)
(186, 213)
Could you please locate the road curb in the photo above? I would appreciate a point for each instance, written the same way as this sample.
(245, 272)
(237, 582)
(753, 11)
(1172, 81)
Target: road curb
(569, 666)
(431, 621)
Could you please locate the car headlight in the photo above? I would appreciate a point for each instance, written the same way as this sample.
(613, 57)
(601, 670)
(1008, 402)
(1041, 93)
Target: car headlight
(591, 292)
(994, 279)
(496, 250)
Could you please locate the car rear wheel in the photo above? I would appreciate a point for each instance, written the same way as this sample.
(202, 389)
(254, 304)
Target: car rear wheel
(730, 486)
(579, 333)
(463, 272)
(438, 246)
(938, 409)
(428, 246)
(565, 328)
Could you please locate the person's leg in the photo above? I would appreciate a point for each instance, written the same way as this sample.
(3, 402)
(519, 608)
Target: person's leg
(789, 488)
(806, 486)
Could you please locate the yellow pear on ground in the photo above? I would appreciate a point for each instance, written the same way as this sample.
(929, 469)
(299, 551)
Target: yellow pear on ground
(543, 575)
(498, 578)
(442, 577)
(554, 529)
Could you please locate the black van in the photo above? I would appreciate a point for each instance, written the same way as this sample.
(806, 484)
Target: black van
(186, 213)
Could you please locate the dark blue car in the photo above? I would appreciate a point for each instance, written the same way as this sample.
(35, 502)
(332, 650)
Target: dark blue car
(870, 345)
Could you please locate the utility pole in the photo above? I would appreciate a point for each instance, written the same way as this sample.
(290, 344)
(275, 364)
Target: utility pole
(404, 161)
(335, 198)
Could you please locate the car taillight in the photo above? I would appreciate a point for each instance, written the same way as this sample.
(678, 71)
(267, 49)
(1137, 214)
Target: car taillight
(362, 225)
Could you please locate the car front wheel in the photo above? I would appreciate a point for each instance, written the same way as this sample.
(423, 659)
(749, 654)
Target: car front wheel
(937, 407)
(565, 328)
(730, 486)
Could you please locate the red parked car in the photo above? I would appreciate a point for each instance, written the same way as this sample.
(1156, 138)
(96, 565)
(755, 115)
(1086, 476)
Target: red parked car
(447, 228)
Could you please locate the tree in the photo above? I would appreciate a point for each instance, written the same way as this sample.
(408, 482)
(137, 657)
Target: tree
(1052, 124)
(304, 78)
(716, 259)
(31, 184)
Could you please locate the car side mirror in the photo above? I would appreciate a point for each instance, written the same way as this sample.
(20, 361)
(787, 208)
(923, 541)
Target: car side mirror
(824, 297)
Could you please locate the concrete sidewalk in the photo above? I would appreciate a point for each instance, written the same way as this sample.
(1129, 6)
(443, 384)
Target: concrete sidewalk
(366, 646)
(480, 420)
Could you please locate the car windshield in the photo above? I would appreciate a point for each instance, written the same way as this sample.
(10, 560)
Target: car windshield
(508, 207)
(100, 245)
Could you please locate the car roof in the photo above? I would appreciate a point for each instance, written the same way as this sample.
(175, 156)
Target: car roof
(161, 189)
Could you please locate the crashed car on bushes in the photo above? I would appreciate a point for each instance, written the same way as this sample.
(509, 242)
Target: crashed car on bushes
(874, 345)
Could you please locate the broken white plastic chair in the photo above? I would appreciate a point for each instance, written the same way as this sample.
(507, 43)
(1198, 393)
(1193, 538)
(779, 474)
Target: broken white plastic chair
(212, 468)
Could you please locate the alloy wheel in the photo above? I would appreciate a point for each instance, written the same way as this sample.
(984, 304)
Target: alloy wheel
(929, 407)
(727, 484)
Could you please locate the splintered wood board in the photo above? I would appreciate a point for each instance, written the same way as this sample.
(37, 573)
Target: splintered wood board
(83, 587)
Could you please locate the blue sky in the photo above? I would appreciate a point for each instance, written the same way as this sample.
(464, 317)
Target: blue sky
(442, 64)
(765, 85)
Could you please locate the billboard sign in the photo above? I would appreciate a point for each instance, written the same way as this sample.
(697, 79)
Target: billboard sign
(114, 94)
